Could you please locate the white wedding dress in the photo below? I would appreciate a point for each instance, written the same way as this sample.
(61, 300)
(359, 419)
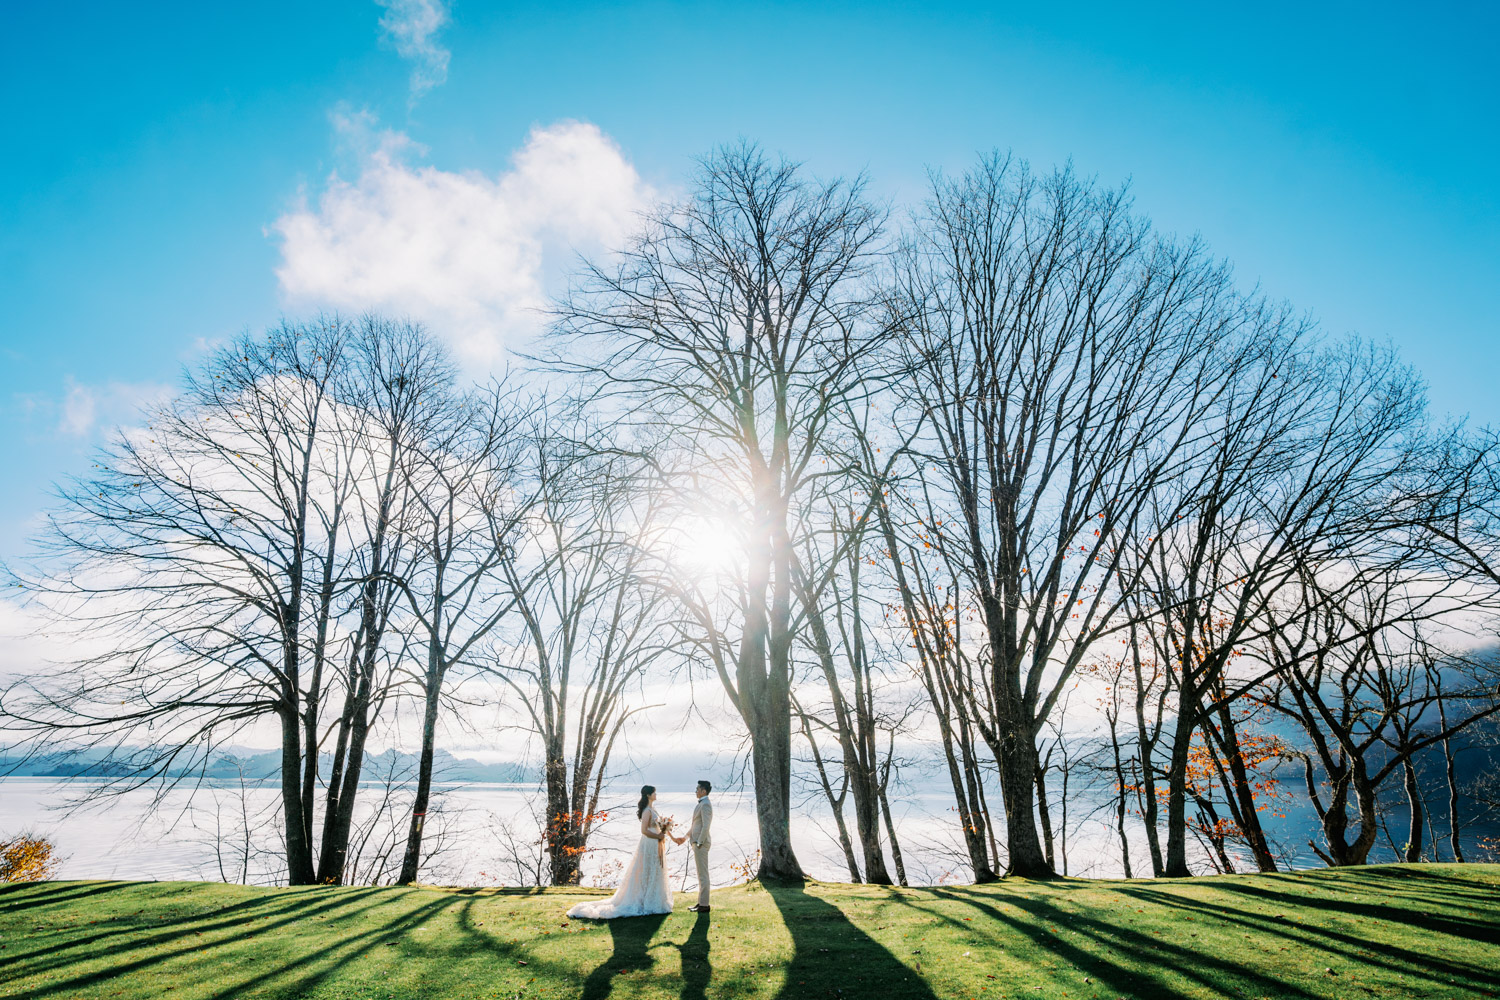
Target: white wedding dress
(643, 886)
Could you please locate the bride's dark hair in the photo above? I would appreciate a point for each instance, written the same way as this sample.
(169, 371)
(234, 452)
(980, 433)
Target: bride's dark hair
(646, 792)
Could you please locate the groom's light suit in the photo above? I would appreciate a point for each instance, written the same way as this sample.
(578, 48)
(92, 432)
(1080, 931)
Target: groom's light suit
(703, 817)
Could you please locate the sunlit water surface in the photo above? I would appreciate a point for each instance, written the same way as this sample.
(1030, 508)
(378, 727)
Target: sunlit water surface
(479, 832)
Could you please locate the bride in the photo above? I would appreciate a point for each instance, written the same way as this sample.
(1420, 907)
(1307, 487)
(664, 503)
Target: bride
(643, 886)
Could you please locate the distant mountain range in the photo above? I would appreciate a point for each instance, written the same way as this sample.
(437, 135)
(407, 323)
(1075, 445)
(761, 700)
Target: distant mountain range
(263, 765)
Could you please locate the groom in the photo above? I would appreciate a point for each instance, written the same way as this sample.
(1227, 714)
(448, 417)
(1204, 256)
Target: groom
(703, 817)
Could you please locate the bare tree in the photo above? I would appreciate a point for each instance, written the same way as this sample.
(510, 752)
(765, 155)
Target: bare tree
(888, 771)
(1060, 357)
(590, 623)
(398, 386)
(842, 635)
(836, 800)
(1360, 675)
(239, 846)
(202, 551)
(1450, 772)
(1300, 447)
(243, 555)
(738, 320)
(463, 508)
(945, 666)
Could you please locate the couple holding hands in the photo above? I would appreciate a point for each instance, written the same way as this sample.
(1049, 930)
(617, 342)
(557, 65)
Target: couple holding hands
(643, 886)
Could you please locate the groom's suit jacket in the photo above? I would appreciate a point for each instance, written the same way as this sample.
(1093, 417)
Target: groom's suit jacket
(703, 817)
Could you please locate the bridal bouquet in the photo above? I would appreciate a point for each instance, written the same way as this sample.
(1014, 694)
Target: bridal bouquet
(664, 823)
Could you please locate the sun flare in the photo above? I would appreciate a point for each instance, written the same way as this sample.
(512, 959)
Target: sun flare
(708, 546)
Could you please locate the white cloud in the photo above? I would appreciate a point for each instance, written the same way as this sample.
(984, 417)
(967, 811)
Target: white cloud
(23, 647)
(85, 406)
(357, 133)
(463, 252)
(78, 410)
(412, 26)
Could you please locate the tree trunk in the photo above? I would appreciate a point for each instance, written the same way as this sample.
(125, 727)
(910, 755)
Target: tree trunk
(835, 802)
(1147, 787)
(1335, 818)
(1044, 814)
(773, 768)
(771, 760)
(764, 670)
(1458, 850)
(1016, 756)
(1062, 835)
(1364, 797)
(768, 716)
(331, 852)
(354, 730)
(354, 722)
(299, 861)
(562, 824)
(311, 706)
(1247, 815)
(413, 857)
(1341, 852)
(845, 844)
(867, 825)
(890, 832)
(1120, 788)
(1176, 863)
(1213, 829)
(966, 780)
(1013, 743)
(359, 731)
(1414, 804)
(314, 700)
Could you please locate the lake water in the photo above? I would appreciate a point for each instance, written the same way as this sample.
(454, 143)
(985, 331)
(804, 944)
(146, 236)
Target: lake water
(486, 834)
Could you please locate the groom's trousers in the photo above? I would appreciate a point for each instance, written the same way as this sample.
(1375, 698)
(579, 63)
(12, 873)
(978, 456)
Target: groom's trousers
(700, 855)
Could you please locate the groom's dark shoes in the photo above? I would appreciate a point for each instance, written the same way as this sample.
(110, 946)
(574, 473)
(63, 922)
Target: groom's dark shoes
(699, 909)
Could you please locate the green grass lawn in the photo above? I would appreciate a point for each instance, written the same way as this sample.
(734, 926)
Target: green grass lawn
(1390, 931)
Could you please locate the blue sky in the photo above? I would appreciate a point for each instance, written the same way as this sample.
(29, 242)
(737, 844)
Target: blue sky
(172, 174)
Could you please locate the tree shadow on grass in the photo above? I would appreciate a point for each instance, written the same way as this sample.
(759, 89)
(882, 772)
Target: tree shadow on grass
(1129, 960)
(632, 939)
(489, 890)
(123, 933)
(25, 895)
(1441, 885)
(253, 952)
(1398, 954)
(1121, 958)
(311, 969)
(449, 965)
(134, 948)
(834, 958)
